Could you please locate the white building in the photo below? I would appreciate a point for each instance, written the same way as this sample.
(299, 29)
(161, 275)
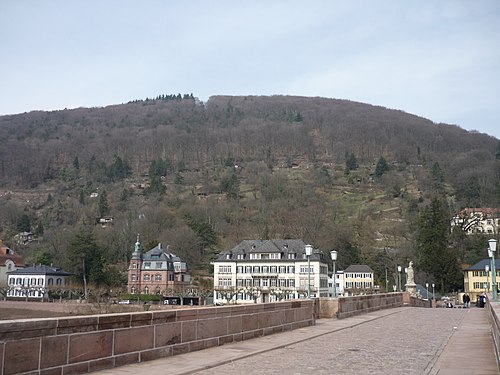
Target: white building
(267, 271)
(34, 282)
(358, 279)
(339, 283)
(477, 220)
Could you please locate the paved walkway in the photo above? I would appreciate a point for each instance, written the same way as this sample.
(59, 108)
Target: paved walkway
(397, 341)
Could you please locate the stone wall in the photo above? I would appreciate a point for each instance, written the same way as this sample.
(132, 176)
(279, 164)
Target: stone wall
(355, 305)
(81, 344)
(494, 313)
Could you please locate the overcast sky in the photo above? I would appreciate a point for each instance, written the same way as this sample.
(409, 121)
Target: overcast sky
(436, 59)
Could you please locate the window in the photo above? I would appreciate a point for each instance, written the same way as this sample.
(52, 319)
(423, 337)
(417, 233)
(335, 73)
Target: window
(248, 269)
(265, 282)
(40, 281)
(291, 283)
(282, 269)
(282, 282)
(134, 266)
(59, 281)
(265, 269)
(158, 264)
(256, 269)
(146, 290)
(274, 282)
(157, 277)
(50, 281)
(274, 269)
(291, 269)
(224, 281)
(147, 265)
(239, 269)
(239, 282)
(133, 278)
(291, 256)
(248, 282)
(224, 269)
(33, 281)
(171, 277)
(146, 277)
(241, 256)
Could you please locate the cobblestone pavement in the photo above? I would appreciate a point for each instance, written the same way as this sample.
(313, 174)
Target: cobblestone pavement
(408, 342)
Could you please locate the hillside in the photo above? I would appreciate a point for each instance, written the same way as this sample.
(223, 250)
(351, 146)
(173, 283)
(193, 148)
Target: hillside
(203, 176)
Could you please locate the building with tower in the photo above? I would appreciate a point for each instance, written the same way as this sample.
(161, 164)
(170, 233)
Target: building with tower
(157, 271)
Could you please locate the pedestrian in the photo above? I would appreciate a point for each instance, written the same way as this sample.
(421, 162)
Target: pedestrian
(466, 300)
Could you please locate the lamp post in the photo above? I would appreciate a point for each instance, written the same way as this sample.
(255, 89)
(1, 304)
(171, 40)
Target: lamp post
(433, 296)
(399, 278)
(406, 278)
(487, 272)
(493, 248)
(309, 250)
(333, 254)
(427, 288)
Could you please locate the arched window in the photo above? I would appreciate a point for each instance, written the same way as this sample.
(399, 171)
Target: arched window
(146, 277)
(158, 290)
(133, 290)
(50, 281)
(146, 290)
(58, 281)
(158, 277)
(133, 278)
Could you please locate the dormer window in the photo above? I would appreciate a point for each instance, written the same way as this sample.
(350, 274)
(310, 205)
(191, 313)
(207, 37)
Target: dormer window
(228, 256)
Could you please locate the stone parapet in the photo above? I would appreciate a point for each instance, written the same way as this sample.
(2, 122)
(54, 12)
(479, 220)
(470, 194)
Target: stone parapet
(494, 314)
(355, 305)
(82, 344)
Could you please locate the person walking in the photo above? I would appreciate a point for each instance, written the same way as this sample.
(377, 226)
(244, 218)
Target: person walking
(466, 299)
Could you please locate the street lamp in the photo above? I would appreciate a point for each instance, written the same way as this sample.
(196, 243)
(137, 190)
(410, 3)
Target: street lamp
(406, 278)
(399, 278)
(433, 295)
(427, 287)
(492, 249)
(309, 250)
(487, 272)
(333, 254)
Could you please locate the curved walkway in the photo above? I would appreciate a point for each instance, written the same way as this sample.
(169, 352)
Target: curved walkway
(397, 341)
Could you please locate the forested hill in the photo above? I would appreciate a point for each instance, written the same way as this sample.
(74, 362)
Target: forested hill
(203, 176)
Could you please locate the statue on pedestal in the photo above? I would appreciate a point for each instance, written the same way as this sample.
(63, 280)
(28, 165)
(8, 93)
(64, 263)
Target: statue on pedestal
(411, 287)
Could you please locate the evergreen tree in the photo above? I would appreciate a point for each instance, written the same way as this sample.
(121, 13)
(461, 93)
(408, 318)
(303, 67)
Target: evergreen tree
(435, 257)
(381, 167)
(103, 204)
(24, 224)
(351, 162)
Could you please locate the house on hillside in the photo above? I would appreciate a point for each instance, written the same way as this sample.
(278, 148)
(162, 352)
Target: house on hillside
(34, 282)
(157, 271)
(256, 271)
(358, 279)
(477, 220)
(9, 261)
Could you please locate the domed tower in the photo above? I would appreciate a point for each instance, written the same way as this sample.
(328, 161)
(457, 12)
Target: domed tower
(134, 270)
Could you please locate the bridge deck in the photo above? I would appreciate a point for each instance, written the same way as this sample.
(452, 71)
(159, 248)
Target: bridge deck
(397, 341)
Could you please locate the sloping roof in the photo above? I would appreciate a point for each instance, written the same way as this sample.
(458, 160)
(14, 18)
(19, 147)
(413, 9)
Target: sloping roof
(285, 247)
(8, 254)
(159, 253)
(358, 268)
(479, 266)
(40, 270)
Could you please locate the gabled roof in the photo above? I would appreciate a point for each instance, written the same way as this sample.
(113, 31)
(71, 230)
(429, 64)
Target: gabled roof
(40, 270)
(479, 266)
(358, 268)
(8, 254)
